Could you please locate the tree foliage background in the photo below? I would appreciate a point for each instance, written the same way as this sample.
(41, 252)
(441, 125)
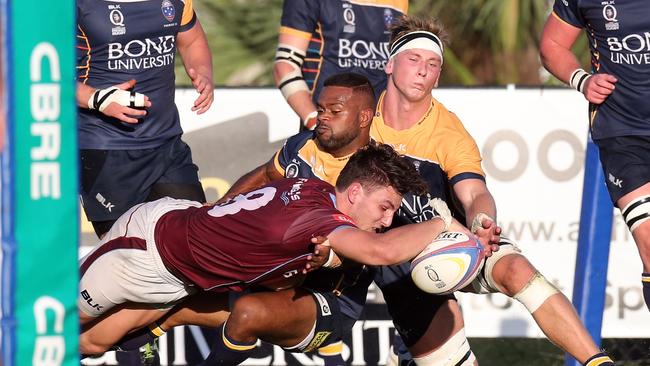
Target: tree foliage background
(493, 42)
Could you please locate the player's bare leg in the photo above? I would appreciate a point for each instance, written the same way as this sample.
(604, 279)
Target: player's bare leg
(256, 316)
(553, 312)
(444, 339)
(99, 335)
(635, 207)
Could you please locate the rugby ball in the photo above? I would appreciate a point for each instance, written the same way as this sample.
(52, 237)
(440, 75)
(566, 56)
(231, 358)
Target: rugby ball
(448, 264)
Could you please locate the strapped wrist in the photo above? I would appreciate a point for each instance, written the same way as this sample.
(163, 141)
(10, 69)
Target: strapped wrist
(578, 79)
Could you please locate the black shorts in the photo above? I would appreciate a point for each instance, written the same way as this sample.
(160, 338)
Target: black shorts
(331, 323)
(112, 181)
(411, 308)
(626, 163)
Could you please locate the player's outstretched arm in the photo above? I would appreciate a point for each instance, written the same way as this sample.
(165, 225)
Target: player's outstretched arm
(395, 246)
(555, 50)
(197, 59)
(117, 101)
(254, 179)
(480, 210)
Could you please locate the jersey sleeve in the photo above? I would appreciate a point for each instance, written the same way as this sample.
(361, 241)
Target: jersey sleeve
(567, 11)
(463, 161)
(318, 222)
(290, 150)
(299, 17)
(188, 19)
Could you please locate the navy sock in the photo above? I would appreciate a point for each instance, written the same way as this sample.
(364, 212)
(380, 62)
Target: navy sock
(645, 278)
(137, 339)
(226, 351)
(599, 359)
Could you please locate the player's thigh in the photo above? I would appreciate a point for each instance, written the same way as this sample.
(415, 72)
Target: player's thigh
(101, 334)
(206, 309)
(281, 317)
(112, 181)
(180, 178)
(411, 309)
(626, 164)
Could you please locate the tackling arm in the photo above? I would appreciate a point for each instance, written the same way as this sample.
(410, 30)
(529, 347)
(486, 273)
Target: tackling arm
(194, 50)
(287, 72)
(256, 178)
(395, 246)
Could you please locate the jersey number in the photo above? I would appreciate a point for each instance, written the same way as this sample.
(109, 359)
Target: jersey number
(251, 201)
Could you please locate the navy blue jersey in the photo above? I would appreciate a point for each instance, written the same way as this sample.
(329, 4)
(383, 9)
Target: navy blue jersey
(301, 157)
(345, 36)
(619, 39)
(122, 40)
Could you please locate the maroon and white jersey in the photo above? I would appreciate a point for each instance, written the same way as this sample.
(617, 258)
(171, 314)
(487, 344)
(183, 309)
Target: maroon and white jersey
(256, 238)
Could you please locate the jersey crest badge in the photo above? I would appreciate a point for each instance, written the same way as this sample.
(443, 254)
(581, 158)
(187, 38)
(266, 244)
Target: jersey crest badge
(168, 10)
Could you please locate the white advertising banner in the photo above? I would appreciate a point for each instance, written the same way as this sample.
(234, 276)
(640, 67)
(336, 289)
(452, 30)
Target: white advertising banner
(533, 143)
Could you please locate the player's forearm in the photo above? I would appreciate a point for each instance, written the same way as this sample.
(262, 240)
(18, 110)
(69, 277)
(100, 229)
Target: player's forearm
(83, 93)
(480, 203)
(300, 101)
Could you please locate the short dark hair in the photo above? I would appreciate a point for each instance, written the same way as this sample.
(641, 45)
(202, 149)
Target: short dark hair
(378, 165)
(357, 82)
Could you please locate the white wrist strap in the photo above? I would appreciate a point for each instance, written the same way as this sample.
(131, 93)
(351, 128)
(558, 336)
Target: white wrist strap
(442, 211)
(330, 259)
(477, 223)
(101, 98)
(578, 79)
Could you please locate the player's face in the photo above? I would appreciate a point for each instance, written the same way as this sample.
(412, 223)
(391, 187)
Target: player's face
(415, 73)
(338, 118)
(375, 207)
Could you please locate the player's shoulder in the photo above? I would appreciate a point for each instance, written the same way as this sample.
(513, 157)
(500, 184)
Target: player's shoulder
(294, 143)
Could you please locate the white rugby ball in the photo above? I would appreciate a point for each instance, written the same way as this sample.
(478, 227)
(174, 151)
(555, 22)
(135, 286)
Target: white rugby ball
(448, 264)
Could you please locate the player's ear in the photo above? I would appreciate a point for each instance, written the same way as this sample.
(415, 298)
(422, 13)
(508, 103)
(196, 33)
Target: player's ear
(365, 117)
(354, 192)
(388, 69)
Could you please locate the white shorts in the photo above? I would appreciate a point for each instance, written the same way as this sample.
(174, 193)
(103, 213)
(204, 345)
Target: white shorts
(126, 267)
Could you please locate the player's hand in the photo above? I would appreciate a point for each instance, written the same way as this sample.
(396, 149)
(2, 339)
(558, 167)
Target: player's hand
(120, 110)
(598, 87)
(319, 256)
(489, 234)
(204, 86)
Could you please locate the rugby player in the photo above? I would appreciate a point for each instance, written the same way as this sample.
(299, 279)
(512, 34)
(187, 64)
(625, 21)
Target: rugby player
(321, 38)
(160, 252)
(431, 137)
(617, 88)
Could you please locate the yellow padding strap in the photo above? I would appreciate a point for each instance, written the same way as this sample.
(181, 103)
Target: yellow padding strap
(156, 330)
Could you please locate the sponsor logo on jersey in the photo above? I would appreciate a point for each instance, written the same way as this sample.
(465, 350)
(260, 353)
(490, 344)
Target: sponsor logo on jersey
(633, 49)
(388, 19)
(86, 296)
(142, 54)
(343, 218)
(349, 18)
(610, 13)
(361, 53)
(168, 10)
(117, 19)
(291, 171)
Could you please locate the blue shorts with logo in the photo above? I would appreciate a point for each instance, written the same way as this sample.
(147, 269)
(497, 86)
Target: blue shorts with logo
(112, 181)
(626, 163)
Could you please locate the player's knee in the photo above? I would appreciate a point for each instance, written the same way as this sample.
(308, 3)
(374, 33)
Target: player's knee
(637, 212)
(511, 273)
(455, 351)
(247, 317)
(535, 292)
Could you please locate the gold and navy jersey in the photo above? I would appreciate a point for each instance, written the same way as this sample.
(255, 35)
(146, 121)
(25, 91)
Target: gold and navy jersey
(301, 157)
(344, 35)
(118, 40)
(619, 40)
(442, 151)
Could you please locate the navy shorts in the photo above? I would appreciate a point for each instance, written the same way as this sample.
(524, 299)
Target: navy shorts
(411, 308)
(626, 163)
(331, 323)
(112, 181)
